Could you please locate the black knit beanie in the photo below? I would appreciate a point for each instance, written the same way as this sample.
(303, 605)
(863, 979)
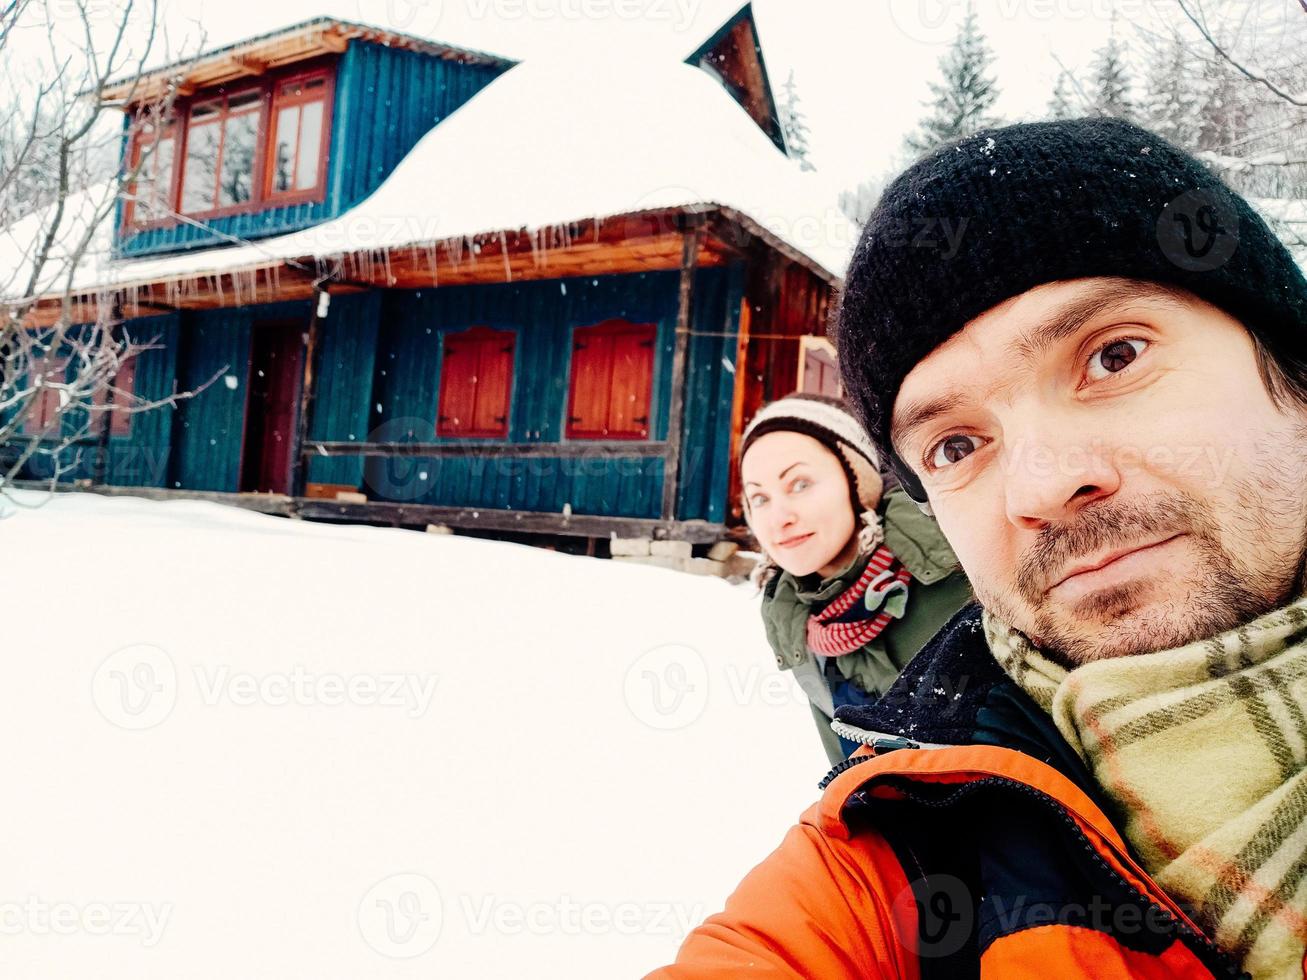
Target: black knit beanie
(985, 219)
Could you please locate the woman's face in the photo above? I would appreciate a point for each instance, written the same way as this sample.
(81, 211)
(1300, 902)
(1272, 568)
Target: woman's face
(799, 506)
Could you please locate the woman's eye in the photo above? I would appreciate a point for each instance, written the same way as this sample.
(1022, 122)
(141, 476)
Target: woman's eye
(757, 500)
(799, 485)
(1114, 357)
(952, 449)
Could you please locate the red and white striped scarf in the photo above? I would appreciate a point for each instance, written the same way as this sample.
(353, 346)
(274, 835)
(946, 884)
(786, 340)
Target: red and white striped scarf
(839, 628)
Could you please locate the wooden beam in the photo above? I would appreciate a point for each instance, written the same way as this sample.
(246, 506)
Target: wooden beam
(566, 450)
(692, 240)
(308, 382)
(420, 515)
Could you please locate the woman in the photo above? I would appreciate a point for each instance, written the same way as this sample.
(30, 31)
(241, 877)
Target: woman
(853, 585)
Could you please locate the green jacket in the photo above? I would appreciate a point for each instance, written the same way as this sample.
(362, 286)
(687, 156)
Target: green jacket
(937, 591)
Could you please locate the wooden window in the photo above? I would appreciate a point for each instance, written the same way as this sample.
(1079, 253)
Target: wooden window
(46, 375)
(110, 403)
(819, 373)
(476, 383)
(154, 151)
(612, 380)
(222, 142)
(298, 151)
(263, 145)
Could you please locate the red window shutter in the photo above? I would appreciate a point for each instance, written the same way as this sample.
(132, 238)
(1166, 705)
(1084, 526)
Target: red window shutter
(592, 372)
(476, 383)
(457, 386)
(628, 416)
(612, 377)
(44, 407)
(494, 384)
(121, 399)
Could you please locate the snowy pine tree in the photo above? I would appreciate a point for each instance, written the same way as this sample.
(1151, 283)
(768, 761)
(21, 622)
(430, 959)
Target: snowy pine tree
(963, 100)
(1170, 104)
(1111, 82)
(1064, 104)
(794, 125)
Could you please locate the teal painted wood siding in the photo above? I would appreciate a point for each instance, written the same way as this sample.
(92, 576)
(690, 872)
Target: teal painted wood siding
(404, 391)
(386, 99)
(139, 458)
(378, 374)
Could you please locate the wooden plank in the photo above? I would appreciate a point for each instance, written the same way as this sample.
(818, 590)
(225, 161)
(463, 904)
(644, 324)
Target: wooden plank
(693, 239)
(565, 450)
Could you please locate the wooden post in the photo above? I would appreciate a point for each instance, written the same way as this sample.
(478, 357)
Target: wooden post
(299, 462)
(693, 238)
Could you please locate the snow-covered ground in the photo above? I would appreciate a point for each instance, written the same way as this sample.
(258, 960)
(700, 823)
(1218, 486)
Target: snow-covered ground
(241, 746)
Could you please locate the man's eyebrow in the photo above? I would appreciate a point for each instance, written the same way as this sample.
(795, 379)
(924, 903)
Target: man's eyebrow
(1115, 294)
(917, 414)
(1062, 323)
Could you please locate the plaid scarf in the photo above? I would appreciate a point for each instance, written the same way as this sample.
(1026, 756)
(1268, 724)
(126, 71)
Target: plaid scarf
(1203, 748)
(861, 612)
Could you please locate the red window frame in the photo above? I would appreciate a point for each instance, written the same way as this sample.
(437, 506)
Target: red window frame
(121, 398)
(148, 133)
(222, 119)
(261, 197)
(610, 393)
(476, 383)
(282, 100)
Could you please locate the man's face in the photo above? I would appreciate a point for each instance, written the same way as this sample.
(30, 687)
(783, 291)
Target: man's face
(1107, 463)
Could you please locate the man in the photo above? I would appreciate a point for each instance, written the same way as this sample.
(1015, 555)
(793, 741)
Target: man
(1100, 392)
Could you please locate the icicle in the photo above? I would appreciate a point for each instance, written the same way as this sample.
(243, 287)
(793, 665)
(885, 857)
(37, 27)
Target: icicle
(508, 269)
(432, 260)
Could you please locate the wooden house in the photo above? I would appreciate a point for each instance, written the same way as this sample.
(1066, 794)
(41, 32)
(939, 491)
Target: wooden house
(417, 284)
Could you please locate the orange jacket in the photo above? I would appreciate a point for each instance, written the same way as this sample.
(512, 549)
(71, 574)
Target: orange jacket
(953, 860)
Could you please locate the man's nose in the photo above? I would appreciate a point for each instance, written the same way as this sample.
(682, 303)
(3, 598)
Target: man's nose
(1051, 472)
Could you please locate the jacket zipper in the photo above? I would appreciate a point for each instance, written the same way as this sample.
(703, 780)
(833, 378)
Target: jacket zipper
(1218, 955)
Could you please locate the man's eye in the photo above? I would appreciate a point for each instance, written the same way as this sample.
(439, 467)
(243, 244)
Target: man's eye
(1114, 357)
(952, 449)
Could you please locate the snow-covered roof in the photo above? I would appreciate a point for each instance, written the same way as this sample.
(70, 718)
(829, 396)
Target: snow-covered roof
(545, 144)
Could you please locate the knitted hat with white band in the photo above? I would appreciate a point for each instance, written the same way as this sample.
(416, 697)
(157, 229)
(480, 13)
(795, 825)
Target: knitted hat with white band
(828, 421)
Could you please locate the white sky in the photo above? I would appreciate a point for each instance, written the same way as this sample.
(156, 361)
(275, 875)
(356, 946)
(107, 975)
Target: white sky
(862, 66)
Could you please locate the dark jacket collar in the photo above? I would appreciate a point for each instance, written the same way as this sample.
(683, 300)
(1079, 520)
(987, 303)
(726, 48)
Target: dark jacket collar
(955, 693)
